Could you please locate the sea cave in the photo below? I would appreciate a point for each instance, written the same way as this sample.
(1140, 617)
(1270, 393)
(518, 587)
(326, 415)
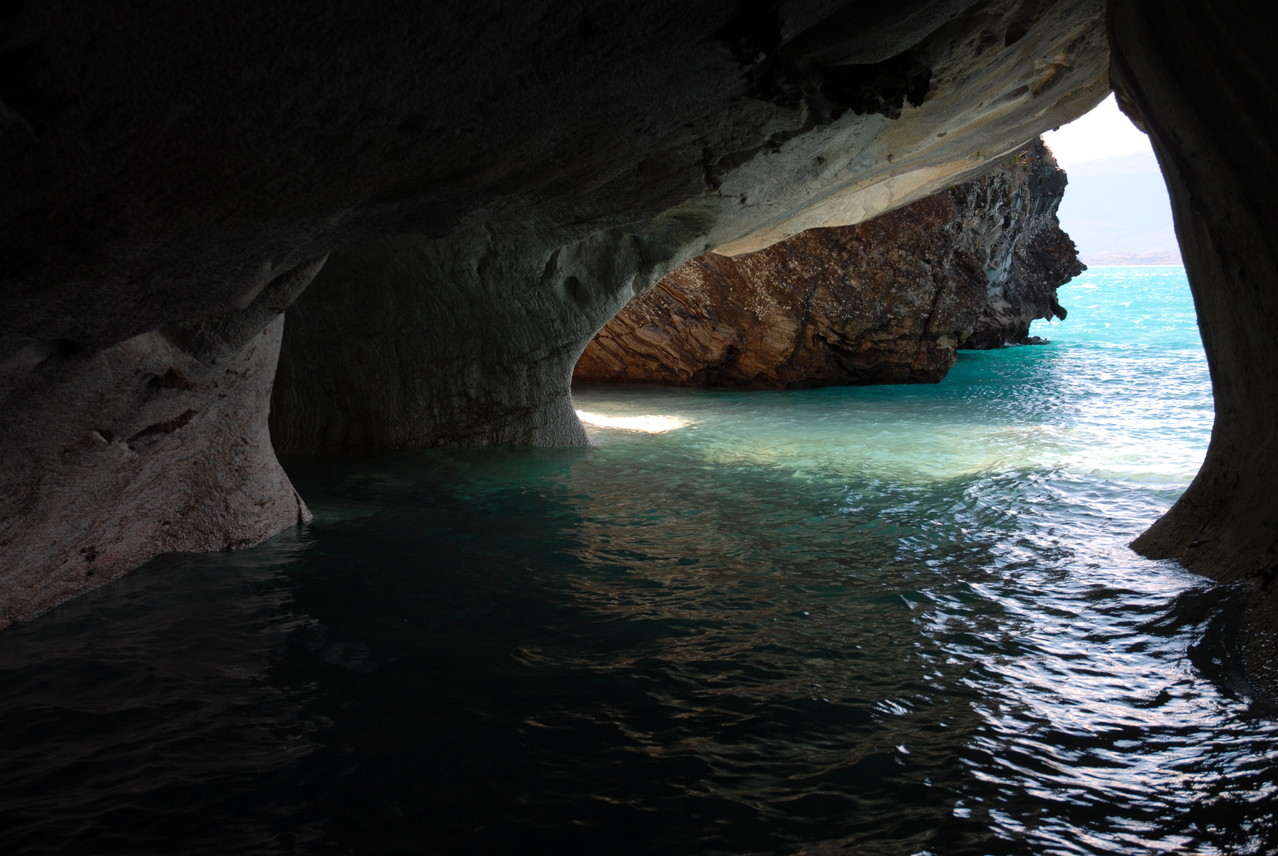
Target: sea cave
(372, 241)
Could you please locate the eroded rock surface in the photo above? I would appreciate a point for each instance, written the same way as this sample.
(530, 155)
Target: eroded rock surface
(166, 163)
(158, 443)
(470, 336)
(1201, 83)
(886, 301)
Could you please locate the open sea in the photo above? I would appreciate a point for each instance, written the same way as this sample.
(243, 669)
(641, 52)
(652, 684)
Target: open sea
(877, 620)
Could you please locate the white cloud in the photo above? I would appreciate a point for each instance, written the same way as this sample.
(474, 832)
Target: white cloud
(1115, 204)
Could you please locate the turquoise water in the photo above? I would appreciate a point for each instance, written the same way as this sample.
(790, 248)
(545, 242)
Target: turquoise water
(892, 620)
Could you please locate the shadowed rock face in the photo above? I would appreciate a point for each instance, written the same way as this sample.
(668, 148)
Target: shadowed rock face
(1201, 83)
(154, 444)
(887, 301)
(1026, 255)
(175, 172)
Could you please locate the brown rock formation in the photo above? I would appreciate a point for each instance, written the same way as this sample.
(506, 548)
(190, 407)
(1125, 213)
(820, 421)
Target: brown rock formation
(886, 301)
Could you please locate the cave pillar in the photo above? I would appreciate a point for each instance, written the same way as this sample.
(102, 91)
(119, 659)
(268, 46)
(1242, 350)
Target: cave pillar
(1200, 78)
(410, 342)
(111, 456)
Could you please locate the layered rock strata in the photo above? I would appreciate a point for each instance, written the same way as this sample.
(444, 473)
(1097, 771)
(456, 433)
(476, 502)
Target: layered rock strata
(886, 301)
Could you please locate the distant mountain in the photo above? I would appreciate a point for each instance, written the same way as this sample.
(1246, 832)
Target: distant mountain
(1117, 212)
(1164, 257)
(1136, 163)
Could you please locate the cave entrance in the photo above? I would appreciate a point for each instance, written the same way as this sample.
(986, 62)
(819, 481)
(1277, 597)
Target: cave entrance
(1116, 207)
(869, 311)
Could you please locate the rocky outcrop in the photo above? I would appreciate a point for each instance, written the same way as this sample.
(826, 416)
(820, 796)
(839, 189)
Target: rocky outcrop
(1025, 254)
(886, 301)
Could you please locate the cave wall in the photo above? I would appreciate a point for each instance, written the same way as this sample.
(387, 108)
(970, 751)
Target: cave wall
(1200, 79)
(159, 443)
(889, 300)
(409, 343)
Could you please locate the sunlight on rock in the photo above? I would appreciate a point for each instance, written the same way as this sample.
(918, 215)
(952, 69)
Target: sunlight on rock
(647, 424)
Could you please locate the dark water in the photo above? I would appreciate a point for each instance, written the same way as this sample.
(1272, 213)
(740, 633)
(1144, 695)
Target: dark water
(882, 621)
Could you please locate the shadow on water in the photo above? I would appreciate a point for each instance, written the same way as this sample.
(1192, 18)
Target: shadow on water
(526, 652)
(626, 674)
(142, 717)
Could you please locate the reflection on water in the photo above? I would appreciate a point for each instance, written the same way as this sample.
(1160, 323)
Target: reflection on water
(876, 621)
(650, 424)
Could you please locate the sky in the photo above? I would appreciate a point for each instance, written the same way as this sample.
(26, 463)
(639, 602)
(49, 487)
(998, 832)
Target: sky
(1115, 206)
(1103, 133)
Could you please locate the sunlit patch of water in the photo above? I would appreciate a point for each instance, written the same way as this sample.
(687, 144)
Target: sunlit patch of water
(647, 423)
